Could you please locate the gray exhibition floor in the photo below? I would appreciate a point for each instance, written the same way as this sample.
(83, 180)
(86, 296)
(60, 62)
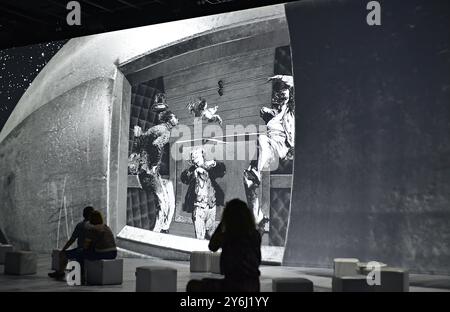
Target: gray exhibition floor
(320, 277)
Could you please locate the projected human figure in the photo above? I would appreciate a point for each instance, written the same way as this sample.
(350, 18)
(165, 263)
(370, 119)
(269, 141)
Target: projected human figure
(147, 160)
(199, 108)
(276, 143)
(201, 195)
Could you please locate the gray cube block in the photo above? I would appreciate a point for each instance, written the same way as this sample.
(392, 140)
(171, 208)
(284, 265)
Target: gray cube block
(56, 263)
(200, 261)
(215, 263)
(156, 279)
(20, 263)
(104, 272)
(345, 267)
(292, 285)
(3, 250)
(394, 279)
(354, 283)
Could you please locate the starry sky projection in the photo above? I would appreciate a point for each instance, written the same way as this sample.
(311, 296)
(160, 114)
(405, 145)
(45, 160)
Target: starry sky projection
(18, 68)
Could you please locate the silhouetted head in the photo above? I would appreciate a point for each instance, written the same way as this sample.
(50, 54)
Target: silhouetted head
(238, 218)
(96, 217)
(87, 212)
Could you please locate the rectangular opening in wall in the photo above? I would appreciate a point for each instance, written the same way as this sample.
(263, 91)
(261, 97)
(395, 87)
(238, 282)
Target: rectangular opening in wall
(199, 108)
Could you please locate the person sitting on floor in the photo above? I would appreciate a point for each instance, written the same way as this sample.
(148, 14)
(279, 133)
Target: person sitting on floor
(78, 235)
(241, 252)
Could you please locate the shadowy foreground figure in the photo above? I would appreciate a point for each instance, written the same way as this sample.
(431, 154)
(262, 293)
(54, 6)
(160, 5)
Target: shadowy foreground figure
(241, 252)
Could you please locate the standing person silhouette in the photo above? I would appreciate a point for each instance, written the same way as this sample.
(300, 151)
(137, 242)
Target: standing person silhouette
(240, 242)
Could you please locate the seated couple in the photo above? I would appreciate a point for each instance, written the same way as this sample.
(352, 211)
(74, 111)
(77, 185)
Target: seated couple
(95, 241)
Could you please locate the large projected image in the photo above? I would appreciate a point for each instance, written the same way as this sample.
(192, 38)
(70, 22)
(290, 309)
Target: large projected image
(325, 129)
(158, 127)
(218, 128)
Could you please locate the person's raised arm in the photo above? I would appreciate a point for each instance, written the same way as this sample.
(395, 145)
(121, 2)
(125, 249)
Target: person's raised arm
(287, 79)
(137, 131)
(187, 175)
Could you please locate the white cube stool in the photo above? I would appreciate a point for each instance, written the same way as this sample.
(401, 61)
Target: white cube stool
(104, 272)
(345, 267)
(156, 279)
(200, 261)
(215, 263)
(3, 250)
(20, 263)
(292, 285)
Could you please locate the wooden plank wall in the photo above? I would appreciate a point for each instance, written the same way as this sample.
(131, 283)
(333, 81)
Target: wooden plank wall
(245, 87)
(246, 90)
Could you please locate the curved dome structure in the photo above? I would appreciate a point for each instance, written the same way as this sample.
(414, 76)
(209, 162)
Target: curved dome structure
(60, 151)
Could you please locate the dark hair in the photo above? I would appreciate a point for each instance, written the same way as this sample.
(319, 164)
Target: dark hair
(237, 218)
(96, 217)
(87, 212)
(165, 116)
(202, 103)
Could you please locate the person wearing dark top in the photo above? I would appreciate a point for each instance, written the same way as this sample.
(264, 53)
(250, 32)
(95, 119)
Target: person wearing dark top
(78, 235)
(99, 243)
(240, 259)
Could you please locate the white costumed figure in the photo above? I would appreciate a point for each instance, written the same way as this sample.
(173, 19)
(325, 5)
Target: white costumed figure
(199, 108)
(275, 144)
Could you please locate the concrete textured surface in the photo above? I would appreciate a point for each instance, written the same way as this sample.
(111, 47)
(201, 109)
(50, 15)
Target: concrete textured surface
(320, 277)
(53, 165)
(372, 159)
